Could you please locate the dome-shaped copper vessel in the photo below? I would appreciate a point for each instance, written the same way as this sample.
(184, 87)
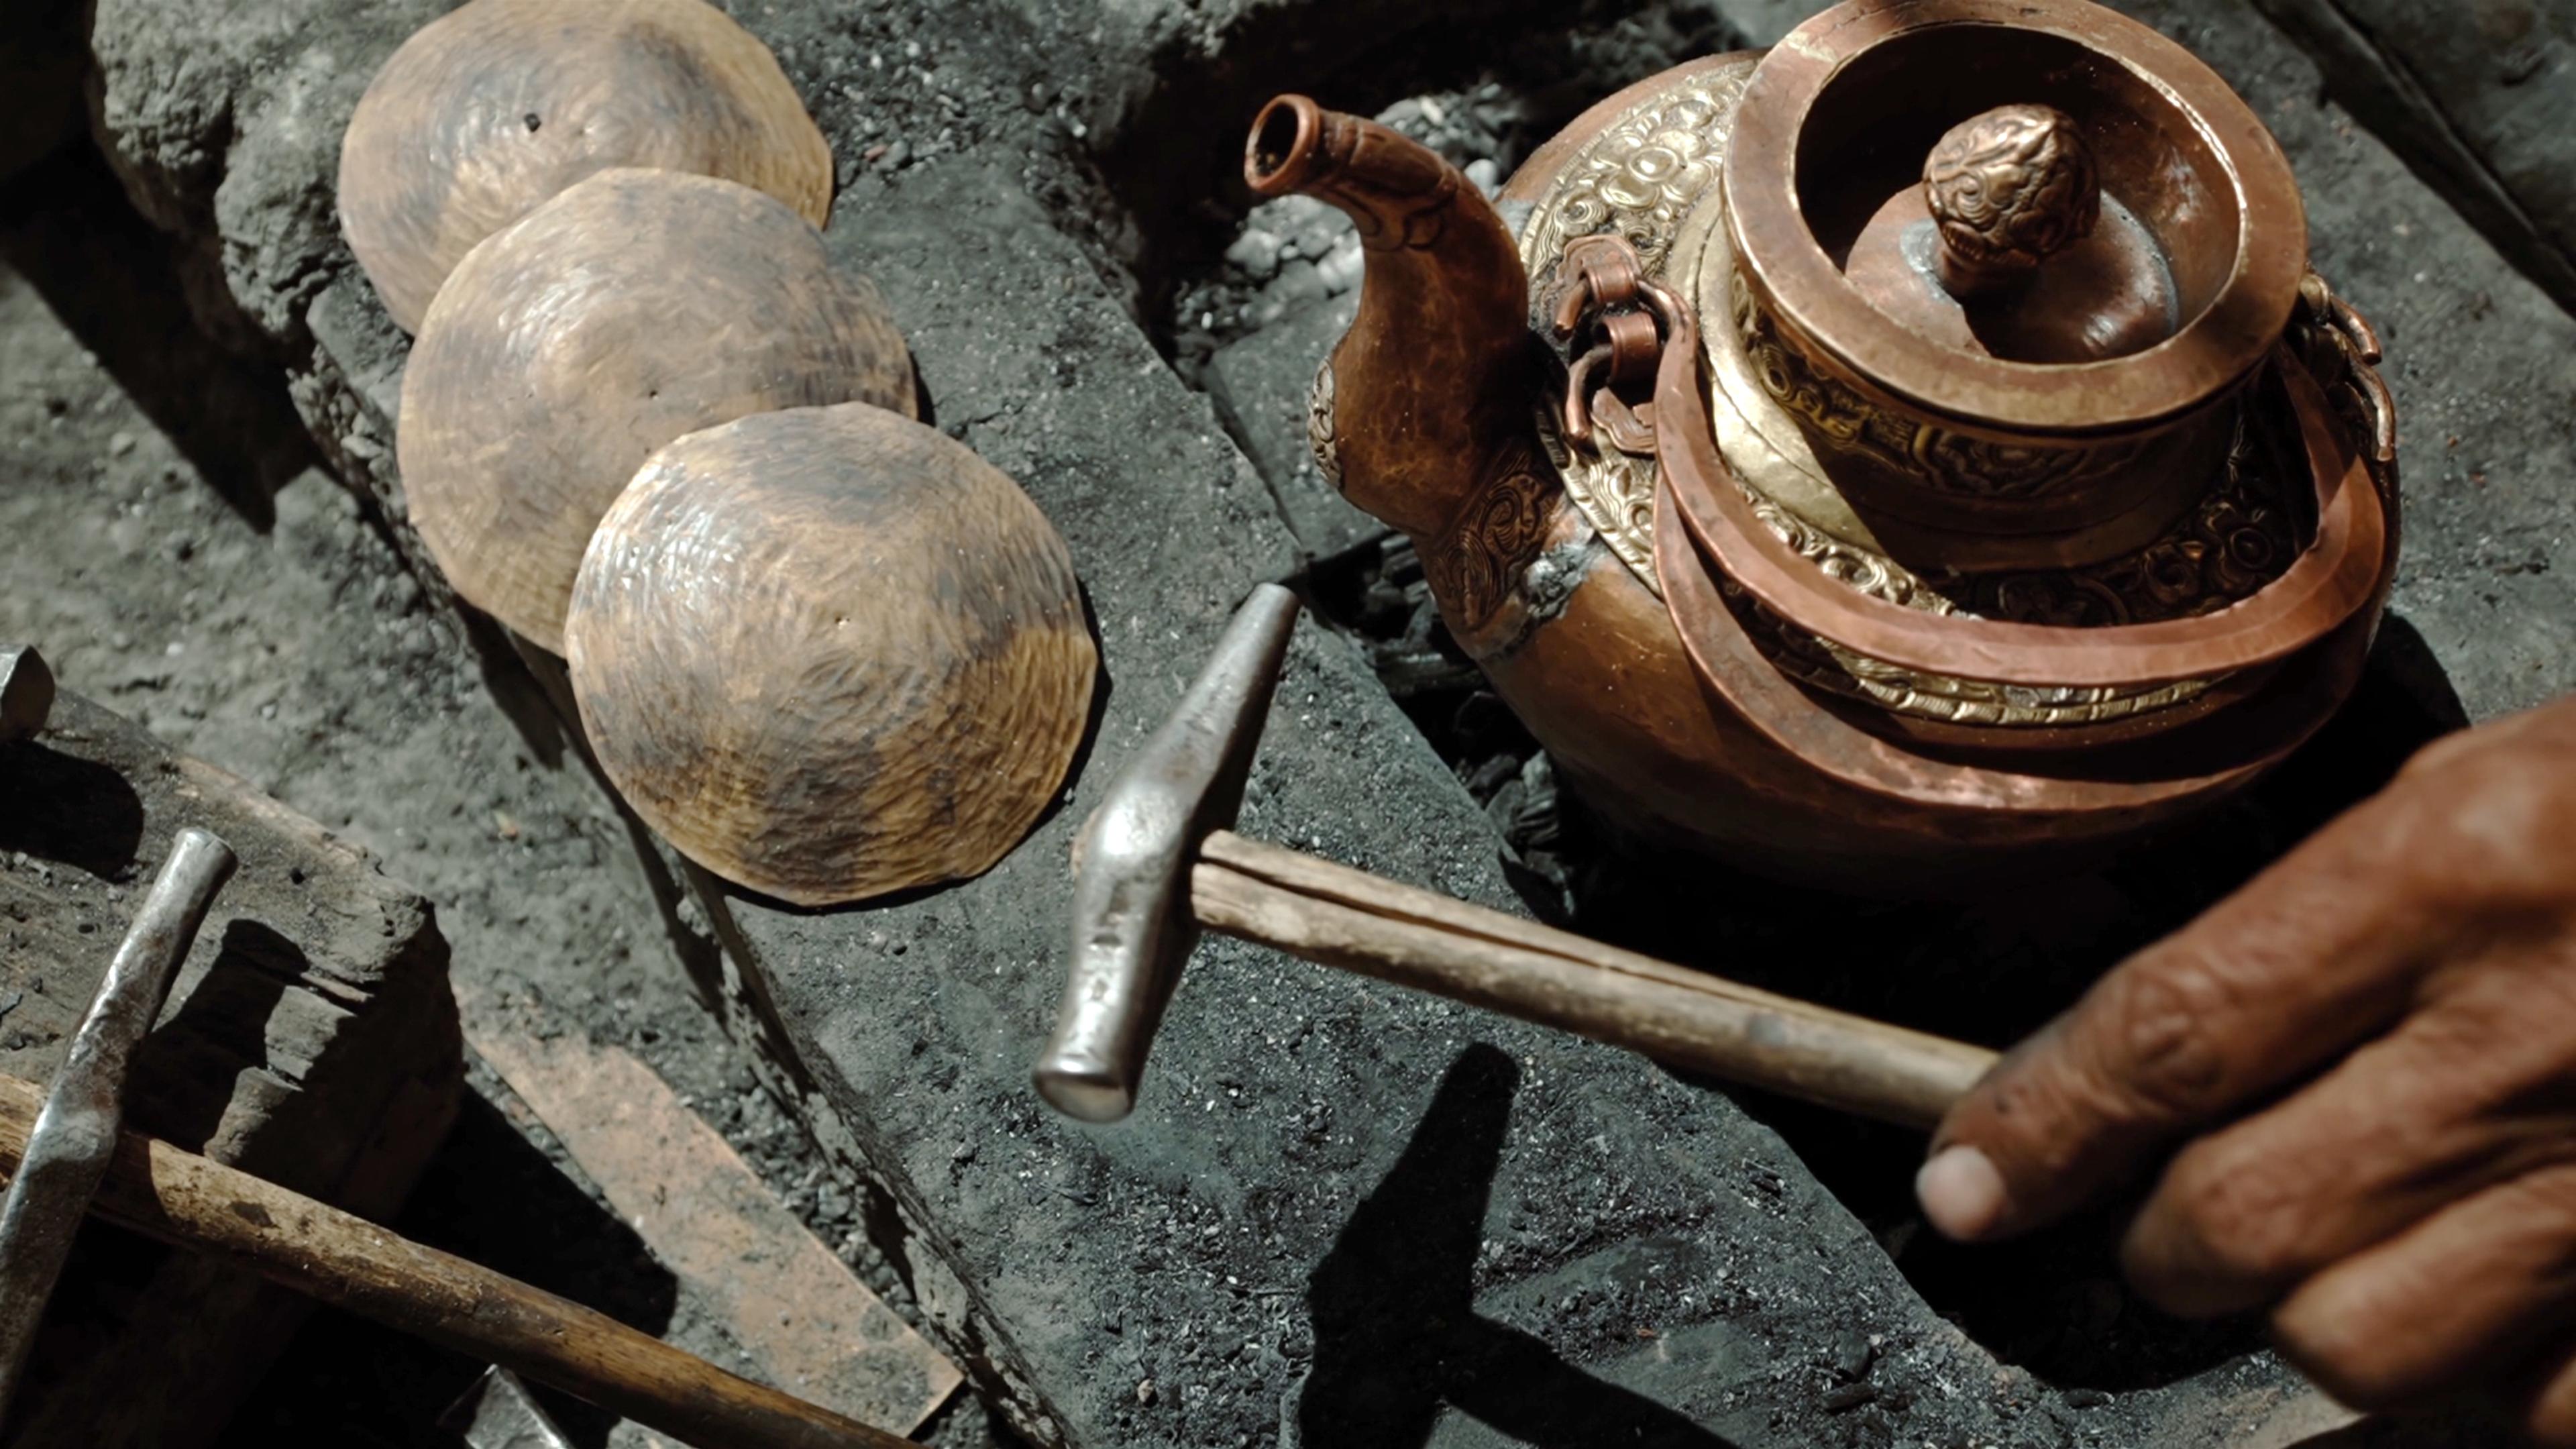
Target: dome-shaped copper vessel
(1947, 464)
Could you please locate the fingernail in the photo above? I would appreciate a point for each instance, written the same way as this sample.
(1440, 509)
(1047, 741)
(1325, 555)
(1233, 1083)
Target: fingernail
(1961, 1193)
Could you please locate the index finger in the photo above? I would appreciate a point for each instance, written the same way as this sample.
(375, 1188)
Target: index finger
(2318, 953)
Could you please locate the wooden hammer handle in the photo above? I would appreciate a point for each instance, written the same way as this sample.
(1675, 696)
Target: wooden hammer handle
(333, 1257)
(1358, 922)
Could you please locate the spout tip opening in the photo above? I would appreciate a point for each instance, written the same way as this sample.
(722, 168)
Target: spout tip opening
(1282, 145)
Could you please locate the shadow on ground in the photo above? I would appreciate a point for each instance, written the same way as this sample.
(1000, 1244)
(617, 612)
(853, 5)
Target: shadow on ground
(1397, 1337)
(492, 1198)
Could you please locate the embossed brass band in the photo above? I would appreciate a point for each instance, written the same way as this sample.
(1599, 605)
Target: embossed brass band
(2337, 577)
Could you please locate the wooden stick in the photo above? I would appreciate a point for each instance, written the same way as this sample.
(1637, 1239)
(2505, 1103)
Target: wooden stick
(350, 1263)
(1357, 922)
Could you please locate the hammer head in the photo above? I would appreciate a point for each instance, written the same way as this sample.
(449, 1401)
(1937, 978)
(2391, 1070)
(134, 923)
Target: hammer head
(26, 693)
(1132, 922)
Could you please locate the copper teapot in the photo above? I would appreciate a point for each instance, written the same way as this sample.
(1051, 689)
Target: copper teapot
(1908, 458)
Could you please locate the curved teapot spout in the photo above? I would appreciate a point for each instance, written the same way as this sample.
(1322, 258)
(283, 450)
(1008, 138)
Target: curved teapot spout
(1430, 379)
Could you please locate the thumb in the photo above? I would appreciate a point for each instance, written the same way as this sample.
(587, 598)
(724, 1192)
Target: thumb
(2274, 983)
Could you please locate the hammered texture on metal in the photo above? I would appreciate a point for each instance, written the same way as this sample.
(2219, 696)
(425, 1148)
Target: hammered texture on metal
(830, 653)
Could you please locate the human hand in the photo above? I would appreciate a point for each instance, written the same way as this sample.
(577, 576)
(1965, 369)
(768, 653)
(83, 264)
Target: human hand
(2369, 1058)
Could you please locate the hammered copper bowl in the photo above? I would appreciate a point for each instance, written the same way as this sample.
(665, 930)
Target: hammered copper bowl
(2010, 464)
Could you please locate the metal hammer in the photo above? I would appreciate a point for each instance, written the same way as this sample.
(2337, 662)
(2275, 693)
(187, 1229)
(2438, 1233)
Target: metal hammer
(1156, 864)
(74, 1135)
(334, 1257)
(65, 1155)
(26, 693)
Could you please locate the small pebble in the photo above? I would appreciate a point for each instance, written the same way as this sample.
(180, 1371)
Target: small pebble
(1341, 270)
(1849, 1397)
(1256, 254)
(1315, 239)
(1852, 1358)
(1297, 282)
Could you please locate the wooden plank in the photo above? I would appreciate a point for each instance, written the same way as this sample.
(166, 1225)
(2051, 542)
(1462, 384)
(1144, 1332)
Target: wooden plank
(809, 1326)
(310, 1039)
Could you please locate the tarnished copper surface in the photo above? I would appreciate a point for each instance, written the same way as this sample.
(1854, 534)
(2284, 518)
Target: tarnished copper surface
(2155, 560)
(2009, 248)
(2239, 237)
(1435, 371)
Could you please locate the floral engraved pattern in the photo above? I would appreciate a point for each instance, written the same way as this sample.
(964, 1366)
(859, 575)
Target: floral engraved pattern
(1835, 670)
(1639, 178)
(2239, 539)
(1955, 464)
(1614, 491)
(1499, 535)
(1323, 437)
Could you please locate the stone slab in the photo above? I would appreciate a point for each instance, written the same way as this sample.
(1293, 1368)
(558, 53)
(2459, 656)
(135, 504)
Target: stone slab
(2479, 99)
(805, 1323)
(1260, 387)
(1339, 1208)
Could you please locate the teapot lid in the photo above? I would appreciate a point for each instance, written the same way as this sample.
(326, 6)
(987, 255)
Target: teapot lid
(2105, 236)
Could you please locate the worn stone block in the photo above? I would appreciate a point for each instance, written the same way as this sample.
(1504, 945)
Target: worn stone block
(1339, 1208)
(1260, 386)
(2479, 99)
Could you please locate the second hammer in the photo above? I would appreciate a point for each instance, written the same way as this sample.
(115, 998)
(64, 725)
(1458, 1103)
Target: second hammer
(1157, 864)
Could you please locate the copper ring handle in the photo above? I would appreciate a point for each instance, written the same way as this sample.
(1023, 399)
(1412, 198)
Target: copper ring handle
(1627, 352)
(2333, 580)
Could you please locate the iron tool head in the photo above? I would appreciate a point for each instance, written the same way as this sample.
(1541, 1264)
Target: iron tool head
(1132, 924)
(26, 693)
(75, 1134)
(498, 1412)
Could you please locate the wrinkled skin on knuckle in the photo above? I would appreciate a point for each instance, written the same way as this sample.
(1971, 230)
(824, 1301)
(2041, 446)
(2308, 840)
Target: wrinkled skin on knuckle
(2492, 1065)
(2350, 1356)
(2149, 1045)
(2490, 815)
(2041, 1116)
(2366, 1341)
(2226, 1230)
